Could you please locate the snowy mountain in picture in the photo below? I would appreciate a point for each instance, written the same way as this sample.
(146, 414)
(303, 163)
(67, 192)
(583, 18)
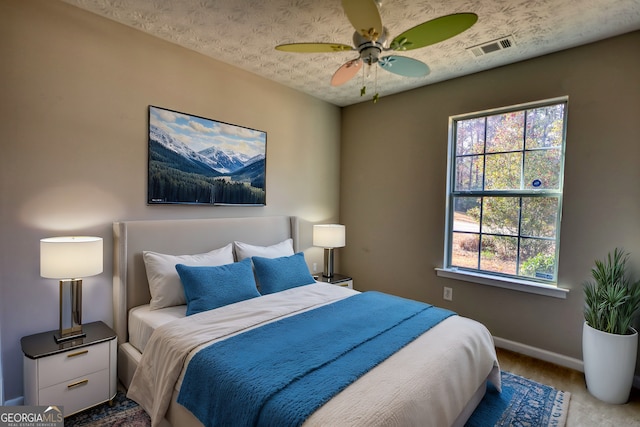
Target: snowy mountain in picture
(228, 162)
(179, 148)
(220, 161)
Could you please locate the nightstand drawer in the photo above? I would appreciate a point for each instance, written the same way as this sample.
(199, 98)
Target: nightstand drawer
(78, 393)
(72, 364)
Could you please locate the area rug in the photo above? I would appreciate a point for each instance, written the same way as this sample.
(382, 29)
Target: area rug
(123, 413)
(523, 402)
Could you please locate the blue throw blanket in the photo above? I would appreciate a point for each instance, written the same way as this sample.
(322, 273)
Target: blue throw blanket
(280, 373)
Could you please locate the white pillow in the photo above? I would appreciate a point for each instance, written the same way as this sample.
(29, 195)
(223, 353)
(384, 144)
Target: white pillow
(245, 250)
(164, 283)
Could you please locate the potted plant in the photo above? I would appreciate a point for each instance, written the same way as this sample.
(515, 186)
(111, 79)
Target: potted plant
(609, 341)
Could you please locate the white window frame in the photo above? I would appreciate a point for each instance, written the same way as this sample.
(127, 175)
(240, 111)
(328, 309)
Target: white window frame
(518, 283)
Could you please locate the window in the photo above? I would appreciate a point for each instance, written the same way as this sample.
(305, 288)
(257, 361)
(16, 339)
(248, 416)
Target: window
(504, 191)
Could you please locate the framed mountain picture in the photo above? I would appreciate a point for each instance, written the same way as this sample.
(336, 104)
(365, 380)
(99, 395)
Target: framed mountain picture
(193, 160)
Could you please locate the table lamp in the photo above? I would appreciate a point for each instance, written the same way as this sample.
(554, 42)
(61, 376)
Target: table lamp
(329, 237)
(69, 259)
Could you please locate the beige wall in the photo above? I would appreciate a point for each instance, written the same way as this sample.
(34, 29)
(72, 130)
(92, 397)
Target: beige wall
(394, 160)
(74, 93)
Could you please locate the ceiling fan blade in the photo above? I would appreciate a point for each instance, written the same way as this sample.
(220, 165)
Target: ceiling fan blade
(346, 72)
(365, 17)
(434, 31)
(403, 66)
(313, 47)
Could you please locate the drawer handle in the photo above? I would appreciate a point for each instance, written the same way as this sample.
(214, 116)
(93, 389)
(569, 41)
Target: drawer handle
(79, 353)
(78, 383)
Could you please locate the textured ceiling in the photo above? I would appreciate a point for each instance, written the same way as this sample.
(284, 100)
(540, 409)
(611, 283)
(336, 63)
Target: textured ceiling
(244, 33)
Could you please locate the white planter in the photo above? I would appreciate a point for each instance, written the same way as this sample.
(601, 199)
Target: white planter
(609, 363)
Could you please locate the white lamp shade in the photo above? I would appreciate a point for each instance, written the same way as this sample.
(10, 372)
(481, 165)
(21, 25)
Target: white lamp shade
(329, 235)
(70, 257)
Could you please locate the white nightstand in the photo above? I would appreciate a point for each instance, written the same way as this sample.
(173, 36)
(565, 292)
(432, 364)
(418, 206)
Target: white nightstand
(337, 279)
(77, 374)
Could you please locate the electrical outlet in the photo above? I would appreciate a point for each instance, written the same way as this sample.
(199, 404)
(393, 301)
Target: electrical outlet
(315, 267)
(448, 294)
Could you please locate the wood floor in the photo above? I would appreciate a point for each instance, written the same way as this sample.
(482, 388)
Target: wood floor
(584, 409)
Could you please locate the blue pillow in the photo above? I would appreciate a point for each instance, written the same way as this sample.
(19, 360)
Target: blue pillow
(206, 288)
(278, 274)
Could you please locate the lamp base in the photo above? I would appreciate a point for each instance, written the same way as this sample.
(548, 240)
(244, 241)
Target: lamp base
(70, 311)
(328, 263)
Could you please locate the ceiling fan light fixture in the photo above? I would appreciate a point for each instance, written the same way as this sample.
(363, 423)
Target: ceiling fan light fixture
(370, 54)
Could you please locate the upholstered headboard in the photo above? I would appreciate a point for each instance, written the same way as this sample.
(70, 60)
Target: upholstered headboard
(180, 237)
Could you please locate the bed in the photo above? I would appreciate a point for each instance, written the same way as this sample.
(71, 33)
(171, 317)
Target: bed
(436, 379)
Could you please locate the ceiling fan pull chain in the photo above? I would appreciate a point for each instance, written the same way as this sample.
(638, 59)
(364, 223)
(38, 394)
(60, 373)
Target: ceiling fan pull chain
(363, 90)
(376, 95)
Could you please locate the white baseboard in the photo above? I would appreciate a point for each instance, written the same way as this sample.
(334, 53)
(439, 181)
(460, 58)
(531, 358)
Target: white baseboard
(538, 353)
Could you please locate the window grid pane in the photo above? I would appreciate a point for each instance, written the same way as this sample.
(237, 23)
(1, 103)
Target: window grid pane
(469, 173)
(505, 132)
(542, 169)
(537, 258)
(470, 136)
(498, 254)
(466, 214)
(503, 171)
(545, 126)
(500, 216)
(506, 197)
(466, 248)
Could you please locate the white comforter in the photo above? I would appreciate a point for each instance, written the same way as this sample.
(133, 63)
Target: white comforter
(427, 383)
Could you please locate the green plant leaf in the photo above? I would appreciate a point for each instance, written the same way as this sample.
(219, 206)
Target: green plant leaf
(611, 299)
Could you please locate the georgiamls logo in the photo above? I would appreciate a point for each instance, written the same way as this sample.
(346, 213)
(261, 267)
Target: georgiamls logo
(35, 416)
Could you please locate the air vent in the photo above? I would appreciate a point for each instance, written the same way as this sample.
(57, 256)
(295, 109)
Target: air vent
(492, 46)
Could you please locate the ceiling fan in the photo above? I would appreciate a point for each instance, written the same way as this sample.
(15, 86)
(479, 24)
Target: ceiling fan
(371, 38)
